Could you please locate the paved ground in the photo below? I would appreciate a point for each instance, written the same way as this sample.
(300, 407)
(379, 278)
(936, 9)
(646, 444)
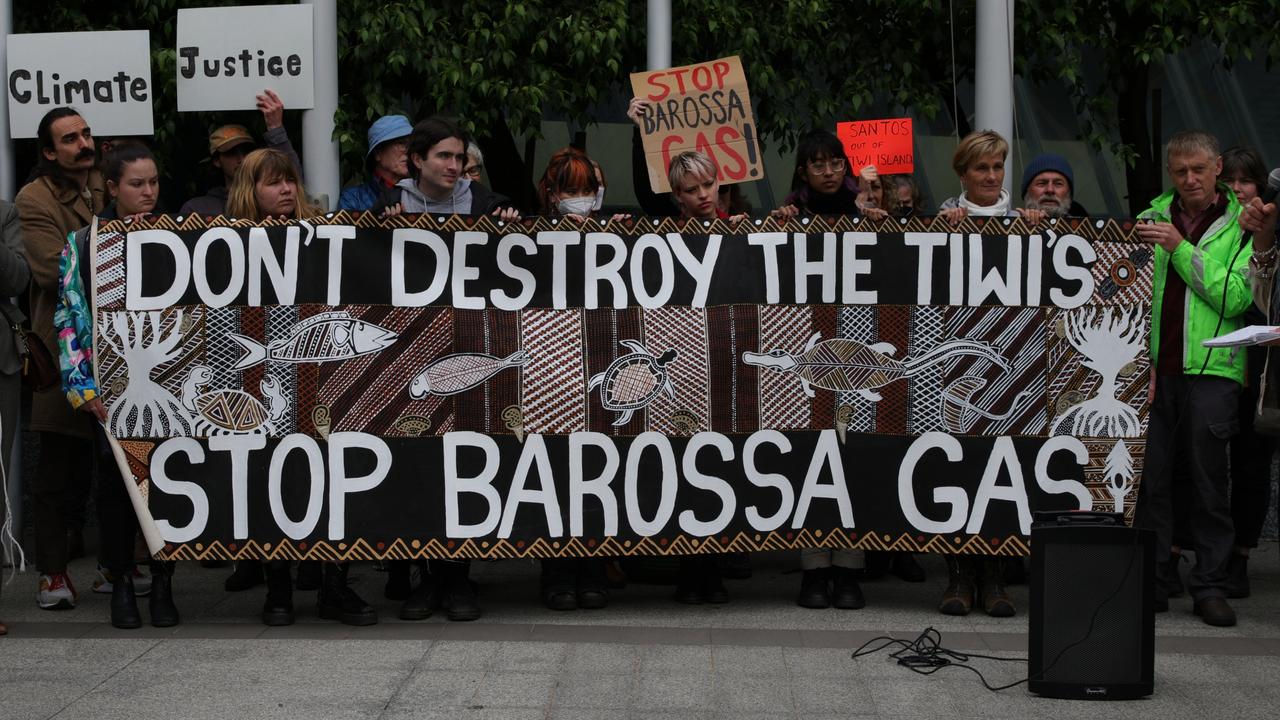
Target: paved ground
(644, 657)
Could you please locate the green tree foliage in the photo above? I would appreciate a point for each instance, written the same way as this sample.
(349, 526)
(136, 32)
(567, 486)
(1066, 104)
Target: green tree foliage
(1107, 54)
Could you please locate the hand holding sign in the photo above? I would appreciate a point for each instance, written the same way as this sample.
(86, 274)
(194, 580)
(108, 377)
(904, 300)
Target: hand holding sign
(272, 108)
(703, 107)
(887, 144)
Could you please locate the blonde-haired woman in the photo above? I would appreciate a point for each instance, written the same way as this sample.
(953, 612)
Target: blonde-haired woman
(267, 185)
(979, 163)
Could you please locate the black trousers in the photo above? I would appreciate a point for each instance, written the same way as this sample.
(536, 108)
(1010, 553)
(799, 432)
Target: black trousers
(117, 522)
(64, 470)
(1192, 421)
(1251, 462)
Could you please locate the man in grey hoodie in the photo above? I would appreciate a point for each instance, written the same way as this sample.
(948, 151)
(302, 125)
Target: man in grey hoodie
(437, 155)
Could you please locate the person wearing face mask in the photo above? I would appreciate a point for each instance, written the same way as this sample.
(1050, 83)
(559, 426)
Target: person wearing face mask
(134, 186)
(903, 196)
(979, 163)
(387, 161)
(65, 192)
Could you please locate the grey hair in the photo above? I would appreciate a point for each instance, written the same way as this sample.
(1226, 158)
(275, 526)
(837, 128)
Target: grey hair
(473, 151)
(1189, 142)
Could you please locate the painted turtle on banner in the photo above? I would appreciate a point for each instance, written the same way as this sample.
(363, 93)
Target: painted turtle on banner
(633, 380)
(220, 412)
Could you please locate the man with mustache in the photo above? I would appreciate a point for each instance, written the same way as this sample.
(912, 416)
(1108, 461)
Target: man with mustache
(64, 193)
(1047, 184)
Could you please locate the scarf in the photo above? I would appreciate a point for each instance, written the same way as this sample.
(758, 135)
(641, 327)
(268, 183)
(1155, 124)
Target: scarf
(1000, 209)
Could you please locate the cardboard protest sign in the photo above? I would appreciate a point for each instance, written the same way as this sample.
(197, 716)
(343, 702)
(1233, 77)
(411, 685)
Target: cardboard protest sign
(106, 76)
(887, 144)
(703, 107)
(229, 55)
(458, 387)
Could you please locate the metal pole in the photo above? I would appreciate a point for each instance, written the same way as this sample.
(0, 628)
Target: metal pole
(658, 34)
(7, 180)
(993, 76)
(319, 150)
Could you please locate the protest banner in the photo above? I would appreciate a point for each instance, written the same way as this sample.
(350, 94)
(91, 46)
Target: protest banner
(704, 107)
(423, 386)
(229, 55)
(106, 76)
(887, 144)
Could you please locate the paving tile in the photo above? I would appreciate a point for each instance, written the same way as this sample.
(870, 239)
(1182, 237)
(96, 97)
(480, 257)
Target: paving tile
(669, 693)
(748, 660)
(456, 655)
(590, 690)
(830, 695)
(440, 688)
(524, 656)
(736, 693)
(676, 659)
(603, 658)
(511, 689)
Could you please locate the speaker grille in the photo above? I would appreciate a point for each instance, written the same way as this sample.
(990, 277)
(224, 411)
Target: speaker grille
(1078, 578)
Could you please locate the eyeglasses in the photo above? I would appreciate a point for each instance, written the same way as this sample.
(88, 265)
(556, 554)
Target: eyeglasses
(820, 167)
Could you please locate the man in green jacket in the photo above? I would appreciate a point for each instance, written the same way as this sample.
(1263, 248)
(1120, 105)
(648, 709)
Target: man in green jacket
(1201, 291)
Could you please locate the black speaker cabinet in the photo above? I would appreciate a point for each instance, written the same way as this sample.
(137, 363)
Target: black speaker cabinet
(1092, 627)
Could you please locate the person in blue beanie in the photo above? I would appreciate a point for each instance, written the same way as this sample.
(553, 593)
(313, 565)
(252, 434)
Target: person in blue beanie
(1048, 185)
(387, 160)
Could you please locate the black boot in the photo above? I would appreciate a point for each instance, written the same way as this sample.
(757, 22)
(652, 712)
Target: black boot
(995, 601)
(423, 599)
(593, 583)
(124, 603)
(278, 608)
(814, 592)
(458, 593)
(557, 583)
(957, 599)
(689, 582)
(248, 574)
(713, 589)
(846, 593)
(163, 612)
(339, 602)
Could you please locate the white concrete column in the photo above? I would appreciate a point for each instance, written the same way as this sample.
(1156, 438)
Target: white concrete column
(319, 149)
(993, 76)
(658, 34)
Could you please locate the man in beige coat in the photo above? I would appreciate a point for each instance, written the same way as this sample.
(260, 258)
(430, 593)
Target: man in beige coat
(64, 195)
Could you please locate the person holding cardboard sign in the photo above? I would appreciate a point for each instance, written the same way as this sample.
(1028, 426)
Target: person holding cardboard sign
(228, 146)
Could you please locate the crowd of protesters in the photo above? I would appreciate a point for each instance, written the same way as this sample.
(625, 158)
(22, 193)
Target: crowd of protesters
(1206, 483)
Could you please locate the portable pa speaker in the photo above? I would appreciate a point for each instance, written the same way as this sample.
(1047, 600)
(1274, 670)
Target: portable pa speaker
(1092, 626)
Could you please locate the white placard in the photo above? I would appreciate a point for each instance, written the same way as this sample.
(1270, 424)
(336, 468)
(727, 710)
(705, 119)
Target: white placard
(229, 55)
(104, 75)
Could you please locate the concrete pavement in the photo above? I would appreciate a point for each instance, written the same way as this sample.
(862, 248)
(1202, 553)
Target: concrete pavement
(644, 657)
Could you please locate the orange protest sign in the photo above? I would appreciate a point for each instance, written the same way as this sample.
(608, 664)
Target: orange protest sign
(703, 107)
(883, 143)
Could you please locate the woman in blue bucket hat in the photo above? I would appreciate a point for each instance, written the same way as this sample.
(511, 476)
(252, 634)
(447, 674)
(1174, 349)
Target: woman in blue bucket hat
(387, 162)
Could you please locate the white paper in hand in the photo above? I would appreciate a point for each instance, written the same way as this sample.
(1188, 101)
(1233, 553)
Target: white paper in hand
(1246, 336)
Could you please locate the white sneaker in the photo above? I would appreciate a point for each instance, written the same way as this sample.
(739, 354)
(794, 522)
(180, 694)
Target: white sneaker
(56, 592)
(103, 583)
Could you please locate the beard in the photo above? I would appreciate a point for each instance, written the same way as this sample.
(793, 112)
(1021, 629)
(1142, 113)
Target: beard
(1051, 209)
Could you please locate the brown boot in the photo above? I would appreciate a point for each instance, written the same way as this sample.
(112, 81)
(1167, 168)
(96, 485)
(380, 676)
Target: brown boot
(957, 599)
(995, 601)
